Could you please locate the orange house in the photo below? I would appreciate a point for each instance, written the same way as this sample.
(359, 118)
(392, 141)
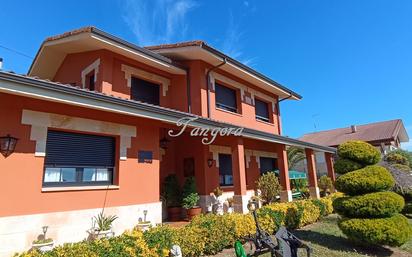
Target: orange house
(96, 120)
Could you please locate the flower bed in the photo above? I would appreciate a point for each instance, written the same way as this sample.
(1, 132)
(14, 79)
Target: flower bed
(206, 234)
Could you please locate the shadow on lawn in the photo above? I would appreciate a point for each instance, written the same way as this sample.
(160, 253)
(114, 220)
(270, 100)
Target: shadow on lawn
(340, 243)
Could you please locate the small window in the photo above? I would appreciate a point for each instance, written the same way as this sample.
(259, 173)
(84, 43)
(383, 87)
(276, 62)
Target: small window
(225, 98)
(267, 165)
(90, 80)
(225, 170)
(145, 91)
(262, 110)
(74, 159)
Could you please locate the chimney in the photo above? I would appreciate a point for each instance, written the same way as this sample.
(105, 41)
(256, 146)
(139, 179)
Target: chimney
(353, 128)
(1, 63)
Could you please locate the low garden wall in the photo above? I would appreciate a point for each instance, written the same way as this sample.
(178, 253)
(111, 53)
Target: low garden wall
(205, 234)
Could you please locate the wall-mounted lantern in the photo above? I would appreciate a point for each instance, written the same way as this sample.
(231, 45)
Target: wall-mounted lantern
(210, 162)
(7, 145)
(164, 143)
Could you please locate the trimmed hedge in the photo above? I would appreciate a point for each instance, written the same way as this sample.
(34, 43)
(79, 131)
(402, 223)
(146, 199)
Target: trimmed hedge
(343, 166)
(367, 180)
(393, 231)
(401, 167)
(396, 158)
(373, 205)
(359, 151)
(204, 235)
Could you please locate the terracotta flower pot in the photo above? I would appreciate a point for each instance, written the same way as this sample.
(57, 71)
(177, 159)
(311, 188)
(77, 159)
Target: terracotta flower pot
(174, 213)
(193, 212)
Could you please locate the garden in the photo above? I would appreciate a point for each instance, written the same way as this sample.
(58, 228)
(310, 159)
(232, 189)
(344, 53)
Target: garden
(370, 216)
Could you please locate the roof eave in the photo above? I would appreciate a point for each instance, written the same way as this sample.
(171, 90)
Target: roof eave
(50, 91)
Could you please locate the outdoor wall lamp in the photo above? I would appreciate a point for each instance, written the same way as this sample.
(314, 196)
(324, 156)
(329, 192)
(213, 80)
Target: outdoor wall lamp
(7, 145)
(164, 142)
(210, 162)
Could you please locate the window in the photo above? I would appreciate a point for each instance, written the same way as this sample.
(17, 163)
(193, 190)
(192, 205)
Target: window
(145, 91)
(90, 81)
(267, 164)
(262, 110)
(225, 98)
(225, 170)
(74, 159)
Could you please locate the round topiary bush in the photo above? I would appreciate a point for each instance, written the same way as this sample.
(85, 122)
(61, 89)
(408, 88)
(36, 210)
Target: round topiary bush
(359, 151)
(367, 180)
(401, 167)
(392, 231)
(373, 205)
(396, 158)
(343, 166)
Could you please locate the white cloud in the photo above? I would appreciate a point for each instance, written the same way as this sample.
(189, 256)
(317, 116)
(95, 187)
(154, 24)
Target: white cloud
(157, 21)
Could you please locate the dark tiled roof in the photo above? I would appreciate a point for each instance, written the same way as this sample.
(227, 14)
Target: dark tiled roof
(373, 132)
(176, 45)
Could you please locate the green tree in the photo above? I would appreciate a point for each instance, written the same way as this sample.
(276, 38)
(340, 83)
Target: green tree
(295, 156)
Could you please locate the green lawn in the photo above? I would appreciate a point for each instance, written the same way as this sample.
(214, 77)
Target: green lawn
(328, 241)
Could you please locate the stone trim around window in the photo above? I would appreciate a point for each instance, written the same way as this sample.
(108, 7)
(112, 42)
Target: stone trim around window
(249, 153)
(130, 71)
(216, 150)
(41, 121)
(94, 66)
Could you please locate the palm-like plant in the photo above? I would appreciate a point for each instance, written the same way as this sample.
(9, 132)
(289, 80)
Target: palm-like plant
(103, 222)
(295, 155)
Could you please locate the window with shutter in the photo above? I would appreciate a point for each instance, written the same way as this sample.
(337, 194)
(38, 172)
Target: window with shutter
(262, 110)
(145, 91)
(225, 170)
(78, 159)
(226, 98)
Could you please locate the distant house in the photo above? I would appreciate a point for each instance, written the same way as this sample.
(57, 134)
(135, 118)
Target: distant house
(384, 135)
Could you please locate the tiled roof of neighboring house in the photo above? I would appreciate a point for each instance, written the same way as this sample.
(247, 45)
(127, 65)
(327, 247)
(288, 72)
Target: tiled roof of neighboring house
(373, 132)
(33, 86)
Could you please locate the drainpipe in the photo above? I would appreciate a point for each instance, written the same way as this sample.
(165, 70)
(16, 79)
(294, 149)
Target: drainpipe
(188, 92)
(208, 84)
(278, 109)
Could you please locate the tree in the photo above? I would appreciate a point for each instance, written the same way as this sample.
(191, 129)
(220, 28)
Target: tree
(370, 211)
(295, 156)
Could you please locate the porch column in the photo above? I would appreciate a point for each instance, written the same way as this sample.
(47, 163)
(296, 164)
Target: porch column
(286, 193)
(329, 166)
(313, 180)
(239, 176)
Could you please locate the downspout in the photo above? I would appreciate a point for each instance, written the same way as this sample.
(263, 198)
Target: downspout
(278, 109)
(188, 92)
(208, 84)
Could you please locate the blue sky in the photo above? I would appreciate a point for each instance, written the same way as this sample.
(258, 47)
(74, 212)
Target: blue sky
(351, 60)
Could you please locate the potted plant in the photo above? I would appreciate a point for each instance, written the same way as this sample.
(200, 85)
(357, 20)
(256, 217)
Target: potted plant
(191, 198)
(43, 244)
(143, 223)
(104, 225)
(172, 196)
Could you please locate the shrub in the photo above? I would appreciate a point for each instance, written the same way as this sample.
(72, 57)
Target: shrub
(160, 238)
(325, 184)
(191, 240)
(190, 200)
(189, 187)
(395, 158)
(373, 205)
(343, 166)
(406, 154)
(269, 187)
(367, 180)
(172, 193)
(359, 151)
(393, 231)
(401, 167)
(408, 208)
